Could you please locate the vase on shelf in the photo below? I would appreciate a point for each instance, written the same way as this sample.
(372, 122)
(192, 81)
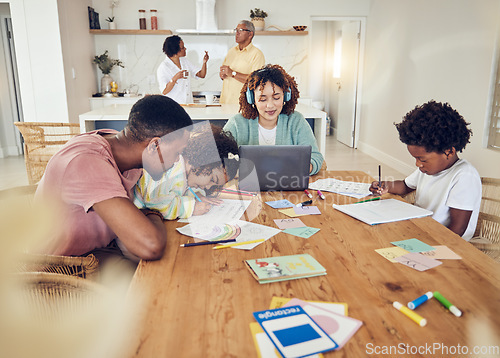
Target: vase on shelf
(259, 23)
(112, 25)
(106, 83)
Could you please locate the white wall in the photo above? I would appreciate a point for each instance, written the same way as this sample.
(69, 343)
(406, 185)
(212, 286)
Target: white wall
(414, 55)
(78, 52)
(39, 60)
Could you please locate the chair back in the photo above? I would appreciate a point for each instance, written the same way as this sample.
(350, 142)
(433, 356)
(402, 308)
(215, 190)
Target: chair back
(487, 235)
(79, 266)
(51, 297)
(41, 142)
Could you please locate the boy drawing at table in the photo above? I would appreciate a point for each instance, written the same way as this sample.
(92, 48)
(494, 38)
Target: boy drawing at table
(450, 187)
(208, 162)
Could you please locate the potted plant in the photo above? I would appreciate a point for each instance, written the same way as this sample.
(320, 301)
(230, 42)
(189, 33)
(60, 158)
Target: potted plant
(106, 64)
(257, 16)
(111, 19)
(112, 23)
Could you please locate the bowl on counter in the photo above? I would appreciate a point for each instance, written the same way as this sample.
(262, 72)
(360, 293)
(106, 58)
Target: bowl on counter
(299, 28)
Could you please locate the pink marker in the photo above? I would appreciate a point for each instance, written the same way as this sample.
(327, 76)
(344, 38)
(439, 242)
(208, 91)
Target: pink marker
(308, 194)
(321, 195)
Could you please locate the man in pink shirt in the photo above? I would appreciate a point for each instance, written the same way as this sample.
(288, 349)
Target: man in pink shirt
(92, 179)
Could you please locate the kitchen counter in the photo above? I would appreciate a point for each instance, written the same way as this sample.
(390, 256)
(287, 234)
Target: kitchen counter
(120, 112)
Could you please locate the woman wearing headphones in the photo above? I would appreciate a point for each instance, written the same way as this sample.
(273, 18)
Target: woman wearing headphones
(267, 116)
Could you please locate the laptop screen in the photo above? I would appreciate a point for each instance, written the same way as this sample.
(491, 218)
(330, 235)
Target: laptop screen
(274, 167)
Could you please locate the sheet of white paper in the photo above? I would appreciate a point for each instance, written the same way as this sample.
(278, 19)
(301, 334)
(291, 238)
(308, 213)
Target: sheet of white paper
(245, 231)
(348, 188)
(383, 211)
(228, 211)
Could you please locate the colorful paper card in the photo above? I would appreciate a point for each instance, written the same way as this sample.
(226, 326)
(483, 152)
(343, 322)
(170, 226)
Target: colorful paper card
(413, 245)
(288, 223)
(337, 307)
(339, 327)
(264, 346)
(417, 261)
(390, 253)
(293, 332)
(307, 210)
(306, 232)
(442, 252)
(279, 204)
(290, 212)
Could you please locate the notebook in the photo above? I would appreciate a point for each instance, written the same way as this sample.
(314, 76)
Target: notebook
(274, 167)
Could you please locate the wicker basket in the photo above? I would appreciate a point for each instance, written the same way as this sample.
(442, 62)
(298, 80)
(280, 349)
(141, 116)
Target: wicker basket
(41, 142)
(487, 235)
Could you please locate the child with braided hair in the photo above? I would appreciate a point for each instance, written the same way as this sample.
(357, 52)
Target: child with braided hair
(209, 161)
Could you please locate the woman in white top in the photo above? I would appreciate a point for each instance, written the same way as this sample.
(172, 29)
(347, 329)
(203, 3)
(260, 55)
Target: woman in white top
(174, 72)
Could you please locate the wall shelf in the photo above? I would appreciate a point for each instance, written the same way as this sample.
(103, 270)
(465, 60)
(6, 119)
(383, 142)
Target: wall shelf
(130, 32)
(169, 32)
(281, 33)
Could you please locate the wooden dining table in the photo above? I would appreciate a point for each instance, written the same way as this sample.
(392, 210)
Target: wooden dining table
(198, 302)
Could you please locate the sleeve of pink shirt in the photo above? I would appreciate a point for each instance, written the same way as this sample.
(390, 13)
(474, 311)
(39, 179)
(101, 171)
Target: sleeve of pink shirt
(90, 179)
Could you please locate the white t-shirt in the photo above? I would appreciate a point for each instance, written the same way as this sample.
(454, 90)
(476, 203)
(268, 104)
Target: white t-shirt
(457, 187)
(267, 136)
(181, 93)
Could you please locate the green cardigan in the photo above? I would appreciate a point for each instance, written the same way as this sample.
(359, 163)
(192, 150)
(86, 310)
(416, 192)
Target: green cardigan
(292, 129)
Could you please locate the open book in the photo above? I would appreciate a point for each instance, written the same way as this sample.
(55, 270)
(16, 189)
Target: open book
(383, 211)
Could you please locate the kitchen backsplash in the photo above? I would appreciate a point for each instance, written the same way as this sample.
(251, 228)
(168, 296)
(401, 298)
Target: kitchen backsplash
(142, 54)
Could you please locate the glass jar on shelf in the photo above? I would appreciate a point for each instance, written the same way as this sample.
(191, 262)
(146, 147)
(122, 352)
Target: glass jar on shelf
(142, 19)
(154, 19)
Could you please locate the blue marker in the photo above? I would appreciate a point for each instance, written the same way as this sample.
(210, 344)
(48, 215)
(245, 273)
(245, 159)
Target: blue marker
(196, 196)
(418, 301)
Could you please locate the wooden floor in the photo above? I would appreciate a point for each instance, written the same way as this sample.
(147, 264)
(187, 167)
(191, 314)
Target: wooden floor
(338, 157)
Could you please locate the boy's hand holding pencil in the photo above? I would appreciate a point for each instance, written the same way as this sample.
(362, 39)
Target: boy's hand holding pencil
(379, 188)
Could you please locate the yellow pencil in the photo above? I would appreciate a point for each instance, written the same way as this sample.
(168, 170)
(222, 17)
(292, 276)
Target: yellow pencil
(238, 243)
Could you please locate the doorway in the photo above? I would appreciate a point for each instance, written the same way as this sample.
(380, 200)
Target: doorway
(337, 55)
(14, 139)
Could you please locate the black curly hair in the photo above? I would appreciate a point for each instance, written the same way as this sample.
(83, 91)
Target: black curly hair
(172, 45)
(258, 79)
(201, 155)
(435, 126)
(156, 116)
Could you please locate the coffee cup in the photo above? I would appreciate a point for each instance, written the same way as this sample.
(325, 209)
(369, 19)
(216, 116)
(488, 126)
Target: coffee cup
(209, 98)
(186, 74)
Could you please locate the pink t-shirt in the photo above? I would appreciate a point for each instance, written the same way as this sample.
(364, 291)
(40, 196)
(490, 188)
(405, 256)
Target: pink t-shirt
(81, 174)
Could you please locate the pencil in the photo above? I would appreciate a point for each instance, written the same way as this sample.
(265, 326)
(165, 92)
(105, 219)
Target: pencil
(196, 196)
(189, 244)
(238, 243)
(372, 199)
(379, 176)
(238, 192)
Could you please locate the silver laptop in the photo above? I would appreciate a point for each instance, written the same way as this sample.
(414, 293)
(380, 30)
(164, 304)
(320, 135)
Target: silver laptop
(274, 167)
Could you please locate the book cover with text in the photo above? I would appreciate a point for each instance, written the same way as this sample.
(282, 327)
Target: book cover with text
(282, 268)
